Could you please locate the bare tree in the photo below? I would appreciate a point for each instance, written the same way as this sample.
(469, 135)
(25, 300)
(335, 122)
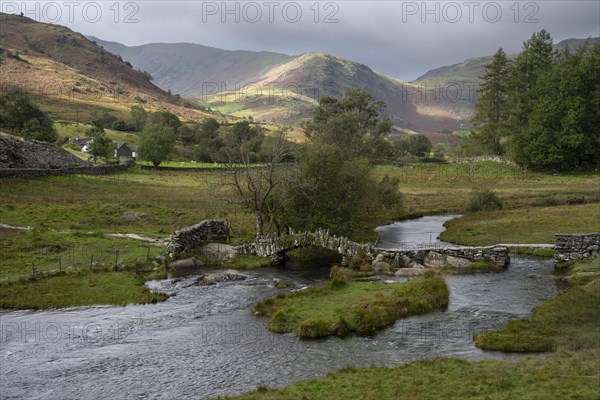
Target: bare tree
(259, 177)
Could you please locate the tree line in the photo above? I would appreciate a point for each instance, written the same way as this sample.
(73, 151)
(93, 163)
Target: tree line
(541, 108)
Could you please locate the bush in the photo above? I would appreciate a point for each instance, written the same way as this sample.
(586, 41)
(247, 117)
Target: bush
(484, 200)
(122, 126)
(19, 115)
(119, 89)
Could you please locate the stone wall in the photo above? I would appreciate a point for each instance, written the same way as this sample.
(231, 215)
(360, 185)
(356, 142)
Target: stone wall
(439, 256)
(192, 237)
(30, 173)
(576, 246)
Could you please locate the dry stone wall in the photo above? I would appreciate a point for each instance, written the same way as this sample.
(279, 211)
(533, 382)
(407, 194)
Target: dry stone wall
(576, 246)
(192, 237)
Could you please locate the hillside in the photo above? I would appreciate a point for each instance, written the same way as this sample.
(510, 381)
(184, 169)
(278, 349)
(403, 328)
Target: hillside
(279, 88)
(187, 68)
(71, 76)
(467, 73)
(289, 92)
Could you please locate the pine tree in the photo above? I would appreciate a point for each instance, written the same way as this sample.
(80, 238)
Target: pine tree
(536, 57)
(491, 112)
(562, 131)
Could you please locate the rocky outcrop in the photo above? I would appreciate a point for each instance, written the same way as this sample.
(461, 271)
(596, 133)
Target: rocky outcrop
(576, 246)
(189, 239)
(33, 154)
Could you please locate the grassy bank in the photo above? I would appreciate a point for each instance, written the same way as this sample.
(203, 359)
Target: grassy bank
(568, 324)
(81, 288)
(340, 307)
(529, 225)
(445, 188)
(560, 376)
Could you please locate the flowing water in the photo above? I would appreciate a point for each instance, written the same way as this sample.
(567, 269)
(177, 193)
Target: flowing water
(204, 341)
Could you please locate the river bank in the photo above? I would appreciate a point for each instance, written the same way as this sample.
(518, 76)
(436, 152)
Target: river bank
(204, 341)
(567, 324)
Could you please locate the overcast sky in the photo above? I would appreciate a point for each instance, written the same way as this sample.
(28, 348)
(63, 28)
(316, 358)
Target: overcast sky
(401, 38)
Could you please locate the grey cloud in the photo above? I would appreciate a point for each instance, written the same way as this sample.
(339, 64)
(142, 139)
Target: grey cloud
(376, 33)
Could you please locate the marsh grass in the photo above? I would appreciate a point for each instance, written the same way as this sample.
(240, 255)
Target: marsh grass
(340, 307)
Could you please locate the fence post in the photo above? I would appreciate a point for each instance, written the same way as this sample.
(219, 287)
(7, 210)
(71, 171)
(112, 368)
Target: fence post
(91, 261)
(148, 253)
(116, 258)
(60, 263)
(33, 268)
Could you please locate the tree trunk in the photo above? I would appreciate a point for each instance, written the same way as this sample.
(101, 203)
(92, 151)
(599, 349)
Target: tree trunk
(259, 225)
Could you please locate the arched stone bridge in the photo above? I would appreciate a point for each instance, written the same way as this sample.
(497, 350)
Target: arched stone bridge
(276, 248)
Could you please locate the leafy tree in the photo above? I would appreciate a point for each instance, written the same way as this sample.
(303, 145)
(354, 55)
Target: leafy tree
(491, 113)
(166, 118)
(157, 143)
(333, 192)
(20, 115)
(241, 142)
(103, 119)
(186, 135)
(348, 123)
(417, 145)
(139, 116)
(209, 128)
(336, 188)
(100, 145)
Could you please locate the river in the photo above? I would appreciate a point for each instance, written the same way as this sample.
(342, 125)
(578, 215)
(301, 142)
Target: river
(204, 341)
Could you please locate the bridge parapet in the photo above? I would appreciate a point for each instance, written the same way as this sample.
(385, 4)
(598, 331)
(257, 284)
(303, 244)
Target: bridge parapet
(276, 247)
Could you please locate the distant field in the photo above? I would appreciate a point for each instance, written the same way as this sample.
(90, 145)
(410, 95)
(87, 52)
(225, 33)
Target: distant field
(70, 129)
(462, 134)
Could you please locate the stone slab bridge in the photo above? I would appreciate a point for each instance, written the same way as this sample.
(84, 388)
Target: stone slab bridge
(408, 257)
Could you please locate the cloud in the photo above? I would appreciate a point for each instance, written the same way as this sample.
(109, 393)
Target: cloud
(401, 38)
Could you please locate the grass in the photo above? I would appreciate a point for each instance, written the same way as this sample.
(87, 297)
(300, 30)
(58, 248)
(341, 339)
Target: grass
(560, 376)
(339, 308)
(47, 250)
(166, 201)
(70, 129)
(444, 188)
(530, 225)
(580, 271)
(533, 251)
(81, 288)
(567, 324)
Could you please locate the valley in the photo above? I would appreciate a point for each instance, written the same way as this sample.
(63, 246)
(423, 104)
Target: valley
(185, 221)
